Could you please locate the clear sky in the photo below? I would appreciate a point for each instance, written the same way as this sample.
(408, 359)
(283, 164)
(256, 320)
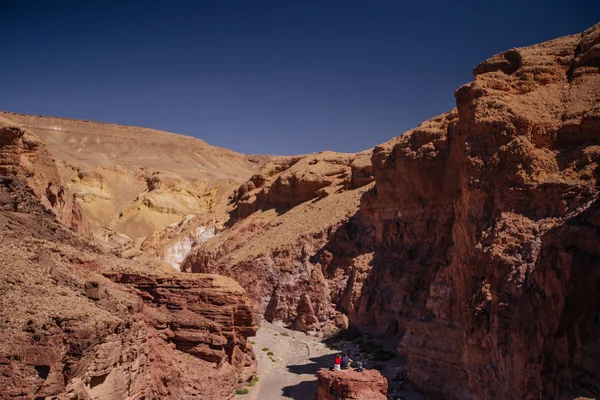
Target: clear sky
(271, 77)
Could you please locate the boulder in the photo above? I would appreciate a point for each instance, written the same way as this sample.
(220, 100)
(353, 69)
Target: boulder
(350, 384)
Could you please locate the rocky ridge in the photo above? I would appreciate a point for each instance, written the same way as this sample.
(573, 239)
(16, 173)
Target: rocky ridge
(297, 203)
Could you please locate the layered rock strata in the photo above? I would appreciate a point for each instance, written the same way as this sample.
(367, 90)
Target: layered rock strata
(25, 162)
(270, 252)
(131, 182)
(480, 243)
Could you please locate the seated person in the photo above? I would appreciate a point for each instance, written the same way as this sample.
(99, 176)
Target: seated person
(346, 361)
(338, 362)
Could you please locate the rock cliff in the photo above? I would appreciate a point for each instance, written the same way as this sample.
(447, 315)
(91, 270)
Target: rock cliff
(80, 323)
(25, 163)
(283, 216)
(480, 236)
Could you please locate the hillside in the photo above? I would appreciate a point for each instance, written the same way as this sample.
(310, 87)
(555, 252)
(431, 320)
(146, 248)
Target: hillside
(135, 181)
(470, 244)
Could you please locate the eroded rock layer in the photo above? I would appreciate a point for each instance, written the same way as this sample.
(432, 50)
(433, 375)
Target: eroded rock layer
(27, 167)
(481, 234)
(284, 216)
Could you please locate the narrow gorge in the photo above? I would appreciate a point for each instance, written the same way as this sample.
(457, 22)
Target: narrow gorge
(141, 269)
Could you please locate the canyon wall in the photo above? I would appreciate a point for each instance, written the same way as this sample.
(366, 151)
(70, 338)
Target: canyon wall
(80, 323)
(477, 245)
(482, 232)
(25, 162)
(284, 215)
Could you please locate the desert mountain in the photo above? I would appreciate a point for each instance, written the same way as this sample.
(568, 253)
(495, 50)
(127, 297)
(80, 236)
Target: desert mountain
(131, 182)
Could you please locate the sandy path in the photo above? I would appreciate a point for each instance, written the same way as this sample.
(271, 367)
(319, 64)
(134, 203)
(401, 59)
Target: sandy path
(297, 359)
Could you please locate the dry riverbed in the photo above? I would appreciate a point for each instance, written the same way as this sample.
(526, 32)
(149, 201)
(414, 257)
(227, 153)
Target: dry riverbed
(288, 362)
(290, 371)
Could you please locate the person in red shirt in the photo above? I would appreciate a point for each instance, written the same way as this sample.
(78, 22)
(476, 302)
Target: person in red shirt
(338, 363)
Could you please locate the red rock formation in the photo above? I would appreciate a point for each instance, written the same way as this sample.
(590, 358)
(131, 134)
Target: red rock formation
(478, 246)
(287, 182)
(480, 240)
(24, 157)
(349, 384)
(69, 332)
(209, 317)
(306, 320)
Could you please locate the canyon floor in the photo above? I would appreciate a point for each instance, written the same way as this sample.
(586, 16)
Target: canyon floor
(297, 357)
(290, 372)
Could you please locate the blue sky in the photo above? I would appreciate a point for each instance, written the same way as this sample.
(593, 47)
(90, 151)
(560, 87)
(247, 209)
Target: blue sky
(271, 77)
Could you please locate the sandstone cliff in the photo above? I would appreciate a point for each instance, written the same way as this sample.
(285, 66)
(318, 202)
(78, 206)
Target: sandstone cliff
(27, 167)
(79, 323)
(478, 246)
(481, 233)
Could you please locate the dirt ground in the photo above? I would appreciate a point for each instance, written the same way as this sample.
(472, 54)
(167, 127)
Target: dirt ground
(290, 372)
(297, 358)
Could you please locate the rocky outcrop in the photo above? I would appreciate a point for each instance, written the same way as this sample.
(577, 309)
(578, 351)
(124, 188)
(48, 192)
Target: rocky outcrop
(287, 182)
(283, 216)
(207, 316)
(349, 384)
(25, 162)
(306, 320)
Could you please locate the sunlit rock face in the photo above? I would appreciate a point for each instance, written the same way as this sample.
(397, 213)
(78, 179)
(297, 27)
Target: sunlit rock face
(132, 182)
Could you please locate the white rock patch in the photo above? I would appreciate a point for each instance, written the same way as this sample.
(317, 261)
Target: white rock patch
(177, 253)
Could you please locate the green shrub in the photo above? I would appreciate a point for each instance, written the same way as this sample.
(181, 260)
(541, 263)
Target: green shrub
(241, 391)
(284, 334)
(265, 349)
(252, 342)
(253, 381)
(270, 353)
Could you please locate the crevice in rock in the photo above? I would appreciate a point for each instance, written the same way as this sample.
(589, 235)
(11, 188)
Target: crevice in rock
(97, 380)
(571, 69)
(43, 371)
